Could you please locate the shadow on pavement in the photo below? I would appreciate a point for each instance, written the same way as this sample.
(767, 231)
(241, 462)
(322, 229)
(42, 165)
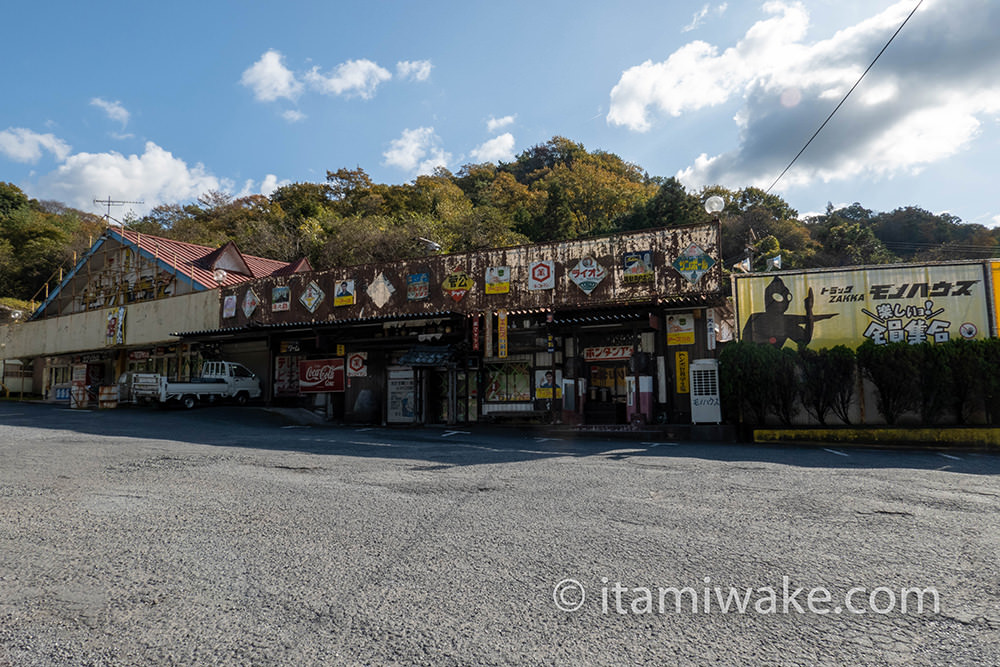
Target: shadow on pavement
(259, 428)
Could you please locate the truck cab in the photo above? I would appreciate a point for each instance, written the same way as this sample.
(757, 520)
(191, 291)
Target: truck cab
(243, 383)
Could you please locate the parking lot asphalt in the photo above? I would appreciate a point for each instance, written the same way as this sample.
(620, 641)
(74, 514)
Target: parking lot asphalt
(232, 536)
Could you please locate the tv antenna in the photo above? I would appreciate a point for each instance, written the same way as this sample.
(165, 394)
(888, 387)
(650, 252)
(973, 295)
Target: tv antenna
(109, 202)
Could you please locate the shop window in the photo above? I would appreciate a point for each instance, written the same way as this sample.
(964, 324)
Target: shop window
(508, 382)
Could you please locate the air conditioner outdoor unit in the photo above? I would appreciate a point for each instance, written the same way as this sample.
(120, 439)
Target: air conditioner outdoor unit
(705, 404)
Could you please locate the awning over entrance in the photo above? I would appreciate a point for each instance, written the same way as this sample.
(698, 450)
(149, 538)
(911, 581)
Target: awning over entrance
(428, 355)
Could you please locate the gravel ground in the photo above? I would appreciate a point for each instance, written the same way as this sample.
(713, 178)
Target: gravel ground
(222, 536)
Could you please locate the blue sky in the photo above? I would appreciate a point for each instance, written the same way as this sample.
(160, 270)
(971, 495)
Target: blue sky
(161, 102)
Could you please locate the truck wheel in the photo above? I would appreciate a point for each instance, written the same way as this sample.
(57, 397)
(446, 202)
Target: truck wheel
(189, 401)
(242, 398)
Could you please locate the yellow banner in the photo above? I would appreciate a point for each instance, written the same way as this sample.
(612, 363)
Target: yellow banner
(683, 381)
(913, 304)
(995, 274)
(502, 333)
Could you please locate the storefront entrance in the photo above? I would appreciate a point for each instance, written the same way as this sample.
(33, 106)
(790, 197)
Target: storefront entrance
(606, 393)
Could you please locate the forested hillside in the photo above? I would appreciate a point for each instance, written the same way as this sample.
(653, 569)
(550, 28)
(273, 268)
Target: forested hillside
(554, 191)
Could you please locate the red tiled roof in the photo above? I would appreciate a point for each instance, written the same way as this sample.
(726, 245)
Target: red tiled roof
(197, 261)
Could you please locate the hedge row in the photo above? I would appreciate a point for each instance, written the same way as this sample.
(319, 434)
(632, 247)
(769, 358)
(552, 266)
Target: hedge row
(941, 383)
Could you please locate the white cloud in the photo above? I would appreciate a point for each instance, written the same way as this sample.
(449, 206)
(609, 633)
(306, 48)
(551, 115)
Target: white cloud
(293, 116)
(354, 77)
(114, 110)
(924, 100)
(270, 79)
(699, 18)
(271, 183)
(494, 124)
(23, 145)
(496, 149)
(267, 186)
(418, 70)
(417, 151)
(155, 177)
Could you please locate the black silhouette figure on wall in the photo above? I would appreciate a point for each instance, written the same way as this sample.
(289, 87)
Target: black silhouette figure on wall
(773, 326)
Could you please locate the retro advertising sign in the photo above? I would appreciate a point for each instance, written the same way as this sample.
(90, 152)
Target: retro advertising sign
(281, 298)
(637, 267)
(357, 365)
(502, 333)
(693, 263)
(542, 275)
(912, 304)
(229, 306)
(608, 353)
(321, 375)
(343, 294)
(115, 333)
(250, 303)
(418, 286)
(312, 296)
(587, 274)
(456, 284)
(680, 329)
(497, 280)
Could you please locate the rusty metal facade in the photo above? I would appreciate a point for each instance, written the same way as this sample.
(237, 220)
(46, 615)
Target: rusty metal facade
(280, 306)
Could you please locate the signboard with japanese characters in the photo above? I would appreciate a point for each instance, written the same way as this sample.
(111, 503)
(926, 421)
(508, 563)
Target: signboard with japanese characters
(312, 296)
(608, 353)
(456, 284)
(229, 306)
(343, 294)
(502, 334)
(914, 304)
(250, 303)
(497, 280)
(693, 263)
(115, 334)
(680, 329)
(542, 275)
(418, 286)
(357, 365)
(281, 298)
(587, 274)
(637, 267)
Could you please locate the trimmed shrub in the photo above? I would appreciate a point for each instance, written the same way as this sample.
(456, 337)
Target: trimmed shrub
(934, 380)
(745, 373)
(828, 382)
(966, 380)
(894, 371)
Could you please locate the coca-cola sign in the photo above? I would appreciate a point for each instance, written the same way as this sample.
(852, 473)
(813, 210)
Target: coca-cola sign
(320, 375)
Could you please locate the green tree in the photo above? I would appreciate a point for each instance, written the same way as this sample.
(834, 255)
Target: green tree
(847, 237)
(672, 205)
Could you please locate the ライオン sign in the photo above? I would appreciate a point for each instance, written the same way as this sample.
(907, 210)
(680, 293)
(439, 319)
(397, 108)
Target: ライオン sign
(885, 304)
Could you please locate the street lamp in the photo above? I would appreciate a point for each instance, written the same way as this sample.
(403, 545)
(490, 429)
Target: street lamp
(714, 206)
(220, 275)
(429, 246)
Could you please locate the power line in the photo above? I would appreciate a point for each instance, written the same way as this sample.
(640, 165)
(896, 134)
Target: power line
(832, 113)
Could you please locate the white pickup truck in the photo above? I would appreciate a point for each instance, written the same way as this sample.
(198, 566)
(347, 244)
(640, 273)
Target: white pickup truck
(219, 380)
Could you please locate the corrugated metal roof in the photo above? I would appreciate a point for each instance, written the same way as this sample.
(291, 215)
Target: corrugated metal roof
(388, 317)
(197, 261)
